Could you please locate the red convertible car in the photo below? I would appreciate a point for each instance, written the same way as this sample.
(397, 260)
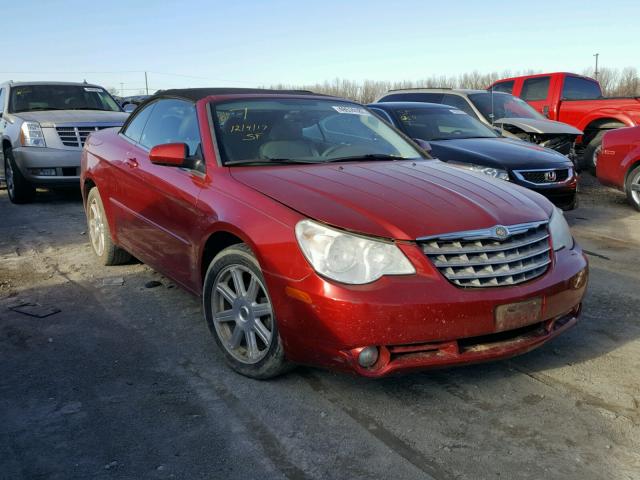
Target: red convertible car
(618, 163)
(318, 234)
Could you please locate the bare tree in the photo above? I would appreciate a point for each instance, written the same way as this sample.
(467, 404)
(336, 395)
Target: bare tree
(614, 83)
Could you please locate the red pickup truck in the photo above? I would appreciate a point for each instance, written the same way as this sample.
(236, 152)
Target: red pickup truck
(575, 100)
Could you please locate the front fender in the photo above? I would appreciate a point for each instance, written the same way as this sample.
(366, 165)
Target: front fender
(265, 225)
(611, 115)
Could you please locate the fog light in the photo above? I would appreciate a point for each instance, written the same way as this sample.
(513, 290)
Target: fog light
(368, 356)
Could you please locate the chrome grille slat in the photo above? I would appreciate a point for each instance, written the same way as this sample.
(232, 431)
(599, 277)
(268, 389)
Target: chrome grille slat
(75, 136)
(480, 258)
(492, 261)
(509, 273)
(433, 249)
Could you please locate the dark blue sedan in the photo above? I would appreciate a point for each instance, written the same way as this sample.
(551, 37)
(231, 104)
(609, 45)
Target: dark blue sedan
(457, 138)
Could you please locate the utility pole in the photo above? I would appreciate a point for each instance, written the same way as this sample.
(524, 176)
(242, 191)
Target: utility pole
(596, 72)
(121, 89)
(146, 82)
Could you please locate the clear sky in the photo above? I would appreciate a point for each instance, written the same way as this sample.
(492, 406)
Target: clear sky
(256, 43)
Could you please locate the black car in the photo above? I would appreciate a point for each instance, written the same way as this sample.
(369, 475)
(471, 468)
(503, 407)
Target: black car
(457, 138)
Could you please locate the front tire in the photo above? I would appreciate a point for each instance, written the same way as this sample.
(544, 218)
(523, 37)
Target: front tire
(240, 315)
(591, 152)
(99, 233)
(19, 189)
(632, 187)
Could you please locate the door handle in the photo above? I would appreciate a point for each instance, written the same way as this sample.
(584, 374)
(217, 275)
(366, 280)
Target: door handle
(131, 162)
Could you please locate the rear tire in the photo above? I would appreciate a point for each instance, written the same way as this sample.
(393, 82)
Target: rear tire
(19, 189)
(240, 315)
(99, 233)
(632, 187)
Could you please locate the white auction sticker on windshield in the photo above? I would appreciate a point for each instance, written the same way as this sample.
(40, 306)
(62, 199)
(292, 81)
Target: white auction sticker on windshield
(93, 89)
(351, 110)
(458, 112)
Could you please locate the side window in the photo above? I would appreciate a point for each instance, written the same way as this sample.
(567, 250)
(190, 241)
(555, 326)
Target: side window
(460, 103)
(535, 89)
(576, 88)
(135, 127)
(172, 121)
(1, 100)
(506, 87)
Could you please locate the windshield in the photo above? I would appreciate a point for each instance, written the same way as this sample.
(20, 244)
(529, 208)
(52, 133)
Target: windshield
(504, 106)
(441, 124)
(31, 98)
(304, 131)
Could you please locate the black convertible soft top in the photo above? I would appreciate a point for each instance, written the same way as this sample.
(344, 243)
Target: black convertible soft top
(196, 94)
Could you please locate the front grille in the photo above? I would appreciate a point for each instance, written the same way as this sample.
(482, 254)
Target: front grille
(542, 177)
(481, 258)
(75, 136)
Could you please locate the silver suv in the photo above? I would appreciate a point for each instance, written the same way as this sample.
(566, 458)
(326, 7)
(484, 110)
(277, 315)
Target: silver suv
(43, 127)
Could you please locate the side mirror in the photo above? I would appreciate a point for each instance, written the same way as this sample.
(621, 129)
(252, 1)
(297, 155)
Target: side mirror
(498, 130)
(169, 154)
(129, 107)
(423, 144)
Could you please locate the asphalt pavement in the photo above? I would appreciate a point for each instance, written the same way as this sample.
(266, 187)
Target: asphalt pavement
(125, 381)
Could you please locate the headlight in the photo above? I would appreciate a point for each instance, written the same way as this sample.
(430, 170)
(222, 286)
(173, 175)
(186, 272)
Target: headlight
(492, 172)
(349, 258)
(559, 229)
(31, 135)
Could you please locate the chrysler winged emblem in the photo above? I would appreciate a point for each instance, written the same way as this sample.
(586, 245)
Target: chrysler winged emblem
(501, 232)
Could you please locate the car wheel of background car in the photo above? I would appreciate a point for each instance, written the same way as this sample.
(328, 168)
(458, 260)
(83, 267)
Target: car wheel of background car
(19, 189)
(632, 187)
(240, 315)
(99, 233)
(590, 154)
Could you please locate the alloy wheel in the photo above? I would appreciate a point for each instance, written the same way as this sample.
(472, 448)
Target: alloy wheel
(242, 314)
(96, 227)
(635, 188)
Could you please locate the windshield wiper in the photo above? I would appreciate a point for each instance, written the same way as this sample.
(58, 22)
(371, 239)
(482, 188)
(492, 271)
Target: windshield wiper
(91, 108)
(37, 109)
(369, 156)
(270, 161)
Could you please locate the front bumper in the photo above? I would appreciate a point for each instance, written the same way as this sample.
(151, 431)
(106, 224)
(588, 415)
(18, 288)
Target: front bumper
(420, 321)
(66, 164)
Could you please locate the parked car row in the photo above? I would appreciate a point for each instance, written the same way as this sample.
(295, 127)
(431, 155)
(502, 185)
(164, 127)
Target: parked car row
(578, 101)
(321, 231)
(317, 233)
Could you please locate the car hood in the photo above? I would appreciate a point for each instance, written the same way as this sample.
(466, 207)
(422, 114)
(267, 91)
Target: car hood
(52, 118)
(505, 153)
(534, 125)
(403, 200)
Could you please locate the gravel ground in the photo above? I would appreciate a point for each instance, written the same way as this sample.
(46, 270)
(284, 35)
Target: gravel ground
(125, 381)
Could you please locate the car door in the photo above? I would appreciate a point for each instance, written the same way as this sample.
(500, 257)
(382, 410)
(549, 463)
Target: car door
(536, 92)
(160, 202)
